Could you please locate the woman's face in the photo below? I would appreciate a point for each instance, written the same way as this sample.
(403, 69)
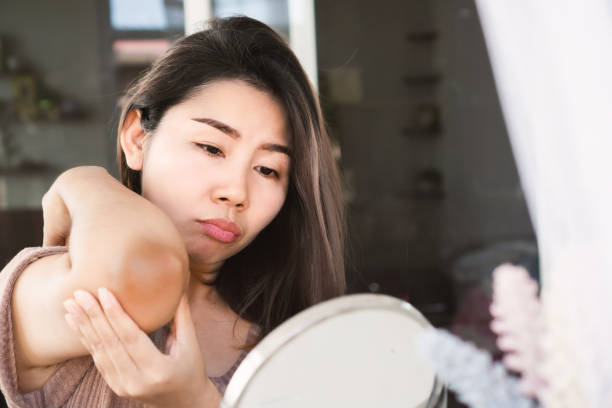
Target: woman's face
(218, 164)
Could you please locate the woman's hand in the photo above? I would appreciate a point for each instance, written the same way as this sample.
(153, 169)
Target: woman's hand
(56, 218)
(129, 361)
(70, 190)
(74, 188)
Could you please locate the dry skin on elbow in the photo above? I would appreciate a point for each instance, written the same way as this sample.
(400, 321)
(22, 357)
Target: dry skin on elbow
(151, 287)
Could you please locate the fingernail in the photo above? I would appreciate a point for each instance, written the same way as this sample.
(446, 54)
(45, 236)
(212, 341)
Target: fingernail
(82, 297)
(70, 306)
(105, 297)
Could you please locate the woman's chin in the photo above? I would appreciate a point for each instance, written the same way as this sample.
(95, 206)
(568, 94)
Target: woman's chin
(209, 252)
(202, 257)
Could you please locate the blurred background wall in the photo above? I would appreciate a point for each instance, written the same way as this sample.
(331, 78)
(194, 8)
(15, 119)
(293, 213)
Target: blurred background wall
(54, 111)
(430, 175)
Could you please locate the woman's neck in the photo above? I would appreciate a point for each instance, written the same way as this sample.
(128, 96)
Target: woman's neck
(198, 291)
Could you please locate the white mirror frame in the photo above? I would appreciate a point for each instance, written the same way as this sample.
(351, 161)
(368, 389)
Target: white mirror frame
(313, 316)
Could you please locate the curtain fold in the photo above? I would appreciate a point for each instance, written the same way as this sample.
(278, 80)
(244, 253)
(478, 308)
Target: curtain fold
(552, 62)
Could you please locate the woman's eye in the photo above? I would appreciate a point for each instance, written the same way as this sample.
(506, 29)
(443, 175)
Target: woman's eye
(212, 150)
(267, 172)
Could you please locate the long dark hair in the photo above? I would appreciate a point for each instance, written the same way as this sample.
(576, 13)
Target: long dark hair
(297, 260)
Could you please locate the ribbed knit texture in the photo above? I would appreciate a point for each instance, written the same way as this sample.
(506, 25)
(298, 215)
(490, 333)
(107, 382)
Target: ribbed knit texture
(76, 383)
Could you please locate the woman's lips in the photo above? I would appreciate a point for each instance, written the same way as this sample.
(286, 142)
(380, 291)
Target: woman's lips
(221, 229)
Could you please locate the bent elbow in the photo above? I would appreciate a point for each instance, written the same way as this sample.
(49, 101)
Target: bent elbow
(151, 283)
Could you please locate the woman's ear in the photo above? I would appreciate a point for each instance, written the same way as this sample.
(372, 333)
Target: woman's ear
(132, 137)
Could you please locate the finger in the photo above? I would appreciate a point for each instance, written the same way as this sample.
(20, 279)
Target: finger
(89, 338)
(182, 325)
(116, 386)
(69, 317)
(111, 348)
(138, 345)
(182, 335)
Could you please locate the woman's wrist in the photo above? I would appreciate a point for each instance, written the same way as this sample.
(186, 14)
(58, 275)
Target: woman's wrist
(94, 198)
(85, 187)
(105, 212)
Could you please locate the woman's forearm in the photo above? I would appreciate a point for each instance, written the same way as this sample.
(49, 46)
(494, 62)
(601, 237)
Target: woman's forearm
(95, 199)
(87, 188)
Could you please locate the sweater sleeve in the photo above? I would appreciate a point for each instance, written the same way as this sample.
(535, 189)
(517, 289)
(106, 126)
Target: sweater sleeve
(62, 384)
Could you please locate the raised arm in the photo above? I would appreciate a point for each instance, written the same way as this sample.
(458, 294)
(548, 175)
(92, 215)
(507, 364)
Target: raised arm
(117, 239)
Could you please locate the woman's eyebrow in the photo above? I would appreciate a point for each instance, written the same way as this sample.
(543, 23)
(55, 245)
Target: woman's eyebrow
(228, 130)
(272, 147)
(234, 134)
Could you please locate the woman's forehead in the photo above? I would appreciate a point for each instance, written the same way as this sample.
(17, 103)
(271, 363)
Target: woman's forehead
(237, 106)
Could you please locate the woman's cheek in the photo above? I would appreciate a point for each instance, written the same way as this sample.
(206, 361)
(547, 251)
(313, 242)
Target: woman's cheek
(272, 205)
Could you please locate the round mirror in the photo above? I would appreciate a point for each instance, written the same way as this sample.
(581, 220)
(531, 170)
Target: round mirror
(356, 350)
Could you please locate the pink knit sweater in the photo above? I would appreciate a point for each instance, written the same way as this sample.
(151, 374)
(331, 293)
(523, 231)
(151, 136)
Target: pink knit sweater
(76, 383)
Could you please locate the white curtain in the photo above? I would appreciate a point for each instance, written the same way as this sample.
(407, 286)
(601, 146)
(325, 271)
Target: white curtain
(552, 62)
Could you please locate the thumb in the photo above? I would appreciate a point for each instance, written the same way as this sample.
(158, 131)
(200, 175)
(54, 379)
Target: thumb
(182, 333)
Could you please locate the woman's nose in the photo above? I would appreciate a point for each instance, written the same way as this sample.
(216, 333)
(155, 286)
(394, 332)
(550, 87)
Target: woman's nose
(233, 201)
(233, 191)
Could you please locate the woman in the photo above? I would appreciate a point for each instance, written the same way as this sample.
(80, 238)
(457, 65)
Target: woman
(231, 222)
